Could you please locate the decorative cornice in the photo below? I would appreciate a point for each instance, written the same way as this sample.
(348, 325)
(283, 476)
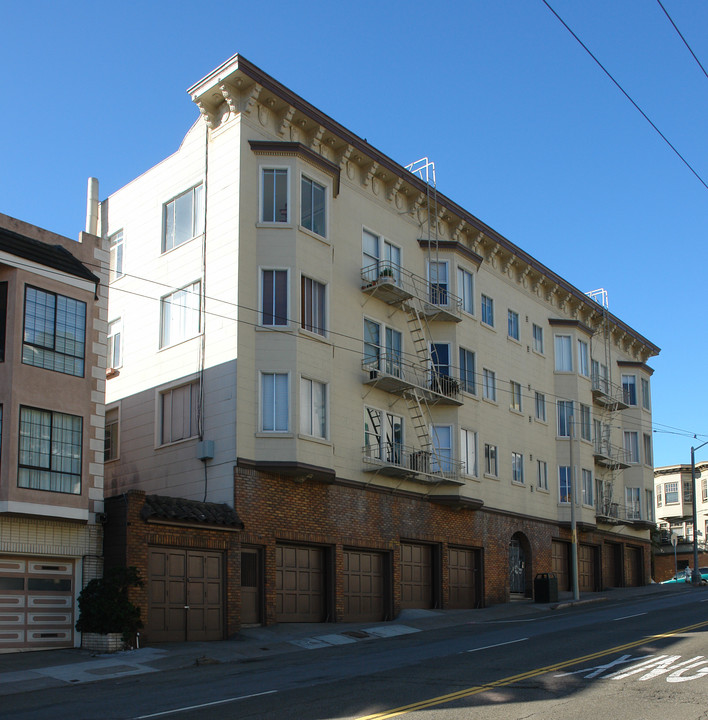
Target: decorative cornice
(565, 322)
(639, 365)
(296, 149)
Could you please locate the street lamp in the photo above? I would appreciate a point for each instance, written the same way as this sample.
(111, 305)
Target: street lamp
(695, 575)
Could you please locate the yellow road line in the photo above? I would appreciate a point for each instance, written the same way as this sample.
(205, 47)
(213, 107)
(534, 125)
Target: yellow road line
(477, 689)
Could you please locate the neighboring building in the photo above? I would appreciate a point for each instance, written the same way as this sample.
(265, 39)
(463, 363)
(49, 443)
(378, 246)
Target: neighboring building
(53, 301)
(673, 488)
(380, 386)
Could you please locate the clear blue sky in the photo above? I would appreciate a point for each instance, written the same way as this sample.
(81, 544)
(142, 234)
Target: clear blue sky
(526, 131)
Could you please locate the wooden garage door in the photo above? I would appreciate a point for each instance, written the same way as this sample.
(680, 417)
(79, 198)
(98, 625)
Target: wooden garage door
(36, 603)
(363, 591)
(463, 568)
(299, 584)
(416, 576)
(561, 565)
(185, 590)
(634, 567)
(586, 568)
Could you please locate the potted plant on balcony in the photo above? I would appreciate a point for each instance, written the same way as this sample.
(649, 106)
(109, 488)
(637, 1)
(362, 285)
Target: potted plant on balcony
(386, 275)
(108, 620)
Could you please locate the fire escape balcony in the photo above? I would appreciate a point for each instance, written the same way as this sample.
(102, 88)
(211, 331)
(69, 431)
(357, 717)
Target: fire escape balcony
(613, 513)
(425, 466)
(608, 394)
(390, 372)
(393, 284)
(611, 456)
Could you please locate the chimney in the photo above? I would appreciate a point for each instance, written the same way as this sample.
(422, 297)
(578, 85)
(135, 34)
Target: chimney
(92, 206)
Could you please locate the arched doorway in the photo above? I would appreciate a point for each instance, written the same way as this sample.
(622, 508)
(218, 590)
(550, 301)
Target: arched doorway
(519, 565)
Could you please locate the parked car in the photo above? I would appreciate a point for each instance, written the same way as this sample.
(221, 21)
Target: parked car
(681, 577)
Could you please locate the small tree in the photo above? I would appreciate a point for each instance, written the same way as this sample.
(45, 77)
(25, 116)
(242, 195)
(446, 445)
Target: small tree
(104, 606)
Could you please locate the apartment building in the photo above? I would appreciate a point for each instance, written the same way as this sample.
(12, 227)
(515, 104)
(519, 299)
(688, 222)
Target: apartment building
(673, 489)
(53, 303)
(334, 393)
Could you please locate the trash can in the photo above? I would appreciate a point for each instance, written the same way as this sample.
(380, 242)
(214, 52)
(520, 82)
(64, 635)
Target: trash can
(545, 588)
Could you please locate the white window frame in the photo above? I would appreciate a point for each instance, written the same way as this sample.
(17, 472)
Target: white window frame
(310, 309)
(587, 486)
(261, 297)
(563, 346)
(487, 311)
(117, 256)
(515, 396)
(646, 394)
(648, 449)
(564, 484)
(467, 357)
(263, 376)
(517, 468)
(537, 339)
(177, 312)
(261, 202)
(513, 328)
(489, 384)
(629, 389)
(631, 445)
(633, 500)
(439, 287)
(583, 358)
(540, 406)
(311, 410)
(542, 474)
(468, 452)
(585, 423)
(491, 460)
(442, 453)
(673, 488)
(114, 342)
(564, 411)
(315, 184)
(465, 289)
(197, 217)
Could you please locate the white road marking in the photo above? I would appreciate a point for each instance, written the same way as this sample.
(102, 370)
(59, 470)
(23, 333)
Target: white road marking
(203, 705)
(625, 617)
(487, 647)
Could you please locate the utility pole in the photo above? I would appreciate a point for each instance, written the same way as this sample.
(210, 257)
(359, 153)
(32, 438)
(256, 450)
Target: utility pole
(573, 525)
(695, 575)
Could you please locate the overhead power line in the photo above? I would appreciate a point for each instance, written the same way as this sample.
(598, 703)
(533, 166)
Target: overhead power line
(683, 38)
(624, 92)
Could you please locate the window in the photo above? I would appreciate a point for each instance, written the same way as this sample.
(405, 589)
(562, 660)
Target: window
(687, 491)
(650, 505)
(50, 451)
(115, 267)
(183, 218)
(489, 381)
(312, 306)
(440, 356)
(565, 416)
(468, 380)
(632, 496)
(110, 441)
(542, 474)
(648, 453)
(180, 315)
(468, 452)
(373, 263)
(600, 376)
(671, 493)
(312, 210)
(587, 487)
(437, 276)
(274, 402)
(704, 481)
(313, 408)
(583, 358)
(564, 357)
(487, 311)
(538, 338)
(631, 446)
(3, 318)
(372, 346)
(540, 401)
(585, 423)
(387, 443)
(517, 468)
(274, 298)
(115, 346)
(658, 496)
(629, 389)
(465, 289)
(513, 324)
(393, 352)
(55, 332)
(442, 449)
(274, 195)
(179, 413)
(646, 394)
(490, 460)
(515, 396)
(564, 484)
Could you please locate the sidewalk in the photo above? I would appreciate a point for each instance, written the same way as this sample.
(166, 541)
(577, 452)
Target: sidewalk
(27, 671)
